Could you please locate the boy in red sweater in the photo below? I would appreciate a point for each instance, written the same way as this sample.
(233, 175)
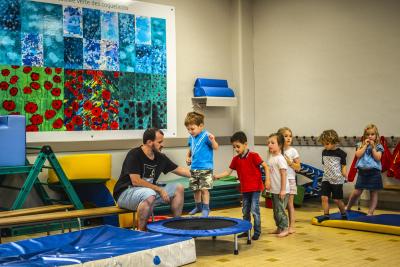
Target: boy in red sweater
(247, 166)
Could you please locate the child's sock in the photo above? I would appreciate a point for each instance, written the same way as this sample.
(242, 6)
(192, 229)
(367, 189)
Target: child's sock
(344, 216)
(206, 210)
(323, 218)
(196, 209)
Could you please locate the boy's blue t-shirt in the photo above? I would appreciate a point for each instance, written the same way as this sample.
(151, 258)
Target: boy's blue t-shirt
(367, 161)
(202, 152)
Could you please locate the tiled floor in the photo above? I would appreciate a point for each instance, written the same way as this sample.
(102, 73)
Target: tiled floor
(309, 246)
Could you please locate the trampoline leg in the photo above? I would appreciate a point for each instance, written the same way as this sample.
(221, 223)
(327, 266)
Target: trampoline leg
(236, 251)
(248, 237)
(214, 237)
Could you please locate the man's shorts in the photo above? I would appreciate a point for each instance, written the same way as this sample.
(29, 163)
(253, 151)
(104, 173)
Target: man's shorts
(335, 189)
(200, 179)
(133, 196)
(293, 187)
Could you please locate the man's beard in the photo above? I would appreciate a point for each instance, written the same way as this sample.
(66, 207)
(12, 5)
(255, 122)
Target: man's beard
(153, 147)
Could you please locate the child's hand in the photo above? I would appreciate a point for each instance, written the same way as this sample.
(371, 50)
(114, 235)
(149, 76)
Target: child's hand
(372, 143)
(188, 161)
(268, 186)
(282, 194)
(211, 137)
(215, 177)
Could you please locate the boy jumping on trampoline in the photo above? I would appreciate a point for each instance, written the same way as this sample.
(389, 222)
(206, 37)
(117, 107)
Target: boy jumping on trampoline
(200, 158)
(247, 165)
(334, 162)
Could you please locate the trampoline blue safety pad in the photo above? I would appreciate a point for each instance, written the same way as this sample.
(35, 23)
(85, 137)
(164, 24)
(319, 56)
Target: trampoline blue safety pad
(107, 245)
(200, 226)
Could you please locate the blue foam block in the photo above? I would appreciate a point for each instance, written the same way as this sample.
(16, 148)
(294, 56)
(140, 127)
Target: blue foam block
(12, 140)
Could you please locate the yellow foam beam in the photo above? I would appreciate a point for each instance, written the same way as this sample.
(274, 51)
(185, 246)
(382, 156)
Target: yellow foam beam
(361, 226)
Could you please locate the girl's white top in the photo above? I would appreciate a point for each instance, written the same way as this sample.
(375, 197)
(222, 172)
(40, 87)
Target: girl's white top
(292, 154)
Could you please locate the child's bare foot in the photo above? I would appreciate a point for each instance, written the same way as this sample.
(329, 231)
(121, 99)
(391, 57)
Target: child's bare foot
(291, 230)
(283, 233)
(274, 232)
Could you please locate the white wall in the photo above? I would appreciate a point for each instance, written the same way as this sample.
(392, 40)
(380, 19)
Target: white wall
(327, 64)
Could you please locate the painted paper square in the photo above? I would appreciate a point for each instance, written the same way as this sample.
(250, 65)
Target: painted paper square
(109, 26)
(10, 15)
(142, 114)
(143, 31)
(158, 32)
(126, 86)
(10, 47)
(73, 53)
(91, 24)
(53, 48)
(127, 115)
(32, 49)
(73, 21)
(143, 59)
(91, 54)
(109, 55)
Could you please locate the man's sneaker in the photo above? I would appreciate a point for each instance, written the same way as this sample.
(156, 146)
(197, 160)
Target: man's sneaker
(323, 218)
(255, 237)
(242, 235)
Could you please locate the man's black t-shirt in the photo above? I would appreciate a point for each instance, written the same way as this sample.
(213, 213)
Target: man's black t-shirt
(136, 162)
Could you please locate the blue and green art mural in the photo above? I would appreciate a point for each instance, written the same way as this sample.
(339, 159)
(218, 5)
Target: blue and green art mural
(68, 68)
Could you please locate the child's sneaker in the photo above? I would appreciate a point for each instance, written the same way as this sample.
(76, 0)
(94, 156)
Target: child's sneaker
(323, 218)
(196, 209)
(255, 237)
(205, 212)
(344, 216)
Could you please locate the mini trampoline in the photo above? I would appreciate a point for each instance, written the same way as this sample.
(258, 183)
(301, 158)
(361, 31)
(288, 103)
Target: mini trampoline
(202, 227)
(383, 223)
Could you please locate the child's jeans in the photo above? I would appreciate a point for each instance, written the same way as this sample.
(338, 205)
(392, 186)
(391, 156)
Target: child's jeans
(251, 204)
(280, 216)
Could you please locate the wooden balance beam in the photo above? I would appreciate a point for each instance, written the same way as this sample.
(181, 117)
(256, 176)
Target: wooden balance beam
(35, 210)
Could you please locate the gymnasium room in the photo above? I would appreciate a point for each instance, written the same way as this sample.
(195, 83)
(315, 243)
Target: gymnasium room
(199, 133)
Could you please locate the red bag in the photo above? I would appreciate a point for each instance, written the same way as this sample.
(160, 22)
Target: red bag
(394, 170)
(387, 157)
(353, 170)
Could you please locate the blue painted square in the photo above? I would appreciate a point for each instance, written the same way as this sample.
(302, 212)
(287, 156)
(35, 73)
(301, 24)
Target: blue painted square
(159, 60)
(31, 17)
(73, 21)
(126, 24)
(143, 31)
(143, 59)
(52, 20)
(109, 55)
(158, 32)
(32, 49)
(91, 24)
(91, 54)
(10, 48)
(53, 48)
(109, 26)
(73, 53)
(10, 15)
(127, 57)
